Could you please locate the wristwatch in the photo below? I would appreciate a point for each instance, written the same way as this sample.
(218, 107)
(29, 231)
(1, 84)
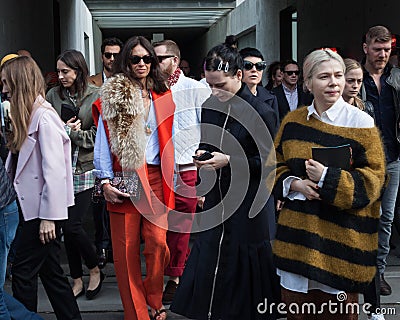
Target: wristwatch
(103, 182)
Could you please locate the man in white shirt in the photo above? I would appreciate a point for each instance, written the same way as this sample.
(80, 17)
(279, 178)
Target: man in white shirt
(290, 95)
(188, 96)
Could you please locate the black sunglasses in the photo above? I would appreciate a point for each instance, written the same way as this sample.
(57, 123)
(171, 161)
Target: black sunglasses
(260, 66)
(108, 55)
(162, 58)
(136, 59)
(289, 73)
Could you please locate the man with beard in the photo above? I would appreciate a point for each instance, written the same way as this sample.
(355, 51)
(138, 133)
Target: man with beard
(110, 48)
(380, 93)
(188, 96)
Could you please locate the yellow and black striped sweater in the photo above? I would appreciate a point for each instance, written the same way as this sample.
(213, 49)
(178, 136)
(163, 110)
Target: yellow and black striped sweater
(333, 241)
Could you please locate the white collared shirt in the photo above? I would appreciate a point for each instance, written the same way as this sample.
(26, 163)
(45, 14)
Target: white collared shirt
(292, 97)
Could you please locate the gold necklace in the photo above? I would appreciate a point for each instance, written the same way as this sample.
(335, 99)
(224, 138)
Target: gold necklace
(146, 95)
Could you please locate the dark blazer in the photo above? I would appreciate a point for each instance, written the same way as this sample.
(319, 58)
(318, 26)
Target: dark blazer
(305, 99)
(271, 101)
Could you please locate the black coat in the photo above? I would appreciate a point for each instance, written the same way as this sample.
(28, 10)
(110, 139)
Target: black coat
(270, 100)
(238, 196)
(304, 99)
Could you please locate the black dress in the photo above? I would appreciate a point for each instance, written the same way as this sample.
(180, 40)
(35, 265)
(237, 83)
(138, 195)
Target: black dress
(230, 269)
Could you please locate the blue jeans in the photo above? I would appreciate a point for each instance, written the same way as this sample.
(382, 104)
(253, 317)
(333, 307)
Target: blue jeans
(18, 311)
(387, 213)
(9, 219)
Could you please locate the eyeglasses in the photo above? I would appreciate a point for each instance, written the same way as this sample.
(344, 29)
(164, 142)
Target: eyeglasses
(108, 55)
(136, 59)
(162, 58)
(260, 66)
(289, 73)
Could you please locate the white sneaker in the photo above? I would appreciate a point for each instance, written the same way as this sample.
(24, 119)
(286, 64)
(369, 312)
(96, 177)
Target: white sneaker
(375, 316)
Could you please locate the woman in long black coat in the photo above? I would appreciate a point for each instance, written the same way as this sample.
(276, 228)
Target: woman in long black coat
(230, 273)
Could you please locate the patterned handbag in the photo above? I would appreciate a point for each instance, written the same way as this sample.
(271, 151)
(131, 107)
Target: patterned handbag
(127, 182)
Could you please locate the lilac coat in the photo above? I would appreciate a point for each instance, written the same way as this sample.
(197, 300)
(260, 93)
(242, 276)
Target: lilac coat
(43, 176)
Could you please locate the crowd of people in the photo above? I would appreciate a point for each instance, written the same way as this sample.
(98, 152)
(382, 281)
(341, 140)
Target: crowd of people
(141, 146)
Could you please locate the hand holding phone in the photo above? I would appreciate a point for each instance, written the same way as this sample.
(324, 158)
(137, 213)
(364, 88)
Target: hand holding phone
(207, 155)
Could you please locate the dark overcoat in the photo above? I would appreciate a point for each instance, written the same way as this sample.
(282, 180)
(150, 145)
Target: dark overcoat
(230, 270)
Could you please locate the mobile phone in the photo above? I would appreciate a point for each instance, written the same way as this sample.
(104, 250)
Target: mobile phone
(205, 156)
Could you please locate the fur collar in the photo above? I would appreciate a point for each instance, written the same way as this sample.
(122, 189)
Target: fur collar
(123, 110)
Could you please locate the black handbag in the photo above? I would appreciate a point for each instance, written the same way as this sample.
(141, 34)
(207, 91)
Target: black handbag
(124, 182)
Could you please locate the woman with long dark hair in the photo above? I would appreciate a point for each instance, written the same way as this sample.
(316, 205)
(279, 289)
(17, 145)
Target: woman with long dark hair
(134, 140)
(73, 100)
(230, 271)
(40, 166)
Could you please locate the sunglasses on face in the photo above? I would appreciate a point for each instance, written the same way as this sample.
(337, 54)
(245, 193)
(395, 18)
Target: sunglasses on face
(136, 59)
(260, 66)
(289, 73)
(162, 58)
(108, 55)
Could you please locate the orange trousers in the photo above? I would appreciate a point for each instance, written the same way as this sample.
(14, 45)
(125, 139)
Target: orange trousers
(126, 228)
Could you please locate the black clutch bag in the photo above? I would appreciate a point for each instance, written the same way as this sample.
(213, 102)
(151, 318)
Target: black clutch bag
(338, 156)
(68, 112)
(124, 182)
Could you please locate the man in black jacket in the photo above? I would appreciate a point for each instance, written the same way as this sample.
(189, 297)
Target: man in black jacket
(290, 94)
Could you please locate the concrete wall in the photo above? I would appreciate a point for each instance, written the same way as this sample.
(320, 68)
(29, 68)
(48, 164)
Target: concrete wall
(76, 30)
(97, 40)
(27, 24)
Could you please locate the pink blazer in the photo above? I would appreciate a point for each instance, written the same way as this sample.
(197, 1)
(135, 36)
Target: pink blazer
(43, 176)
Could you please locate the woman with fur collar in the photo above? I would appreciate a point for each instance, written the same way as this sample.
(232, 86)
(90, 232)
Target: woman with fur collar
(135, 135)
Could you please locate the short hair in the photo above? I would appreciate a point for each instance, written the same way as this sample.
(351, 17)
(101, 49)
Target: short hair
(315, 58)
(287, 62)
(111, 42)
(251, 52)
(351, 64)
(171, 47)
(156, 80)
(76, 61)
(224, 57)
(379, 34)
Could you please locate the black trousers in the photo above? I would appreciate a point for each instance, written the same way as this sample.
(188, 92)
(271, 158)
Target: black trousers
(101, 218)
(76, 240)
(372, 294)
(34, 258)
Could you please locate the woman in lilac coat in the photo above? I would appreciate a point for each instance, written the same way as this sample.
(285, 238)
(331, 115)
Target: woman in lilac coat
(39, 165)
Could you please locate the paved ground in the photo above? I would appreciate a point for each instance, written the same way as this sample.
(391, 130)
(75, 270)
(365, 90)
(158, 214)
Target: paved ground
(107, 305)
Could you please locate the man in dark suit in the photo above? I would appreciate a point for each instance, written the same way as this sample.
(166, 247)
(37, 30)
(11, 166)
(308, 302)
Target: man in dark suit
(290, 95)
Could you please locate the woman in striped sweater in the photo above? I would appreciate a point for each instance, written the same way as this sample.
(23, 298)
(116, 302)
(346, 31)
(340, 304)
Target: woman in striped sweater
(327, 239)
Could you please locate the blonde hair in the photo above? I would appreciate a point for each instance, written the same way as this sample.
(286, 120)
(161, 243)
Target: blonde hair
(351, 64)
(25, 82)
(314, 59)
